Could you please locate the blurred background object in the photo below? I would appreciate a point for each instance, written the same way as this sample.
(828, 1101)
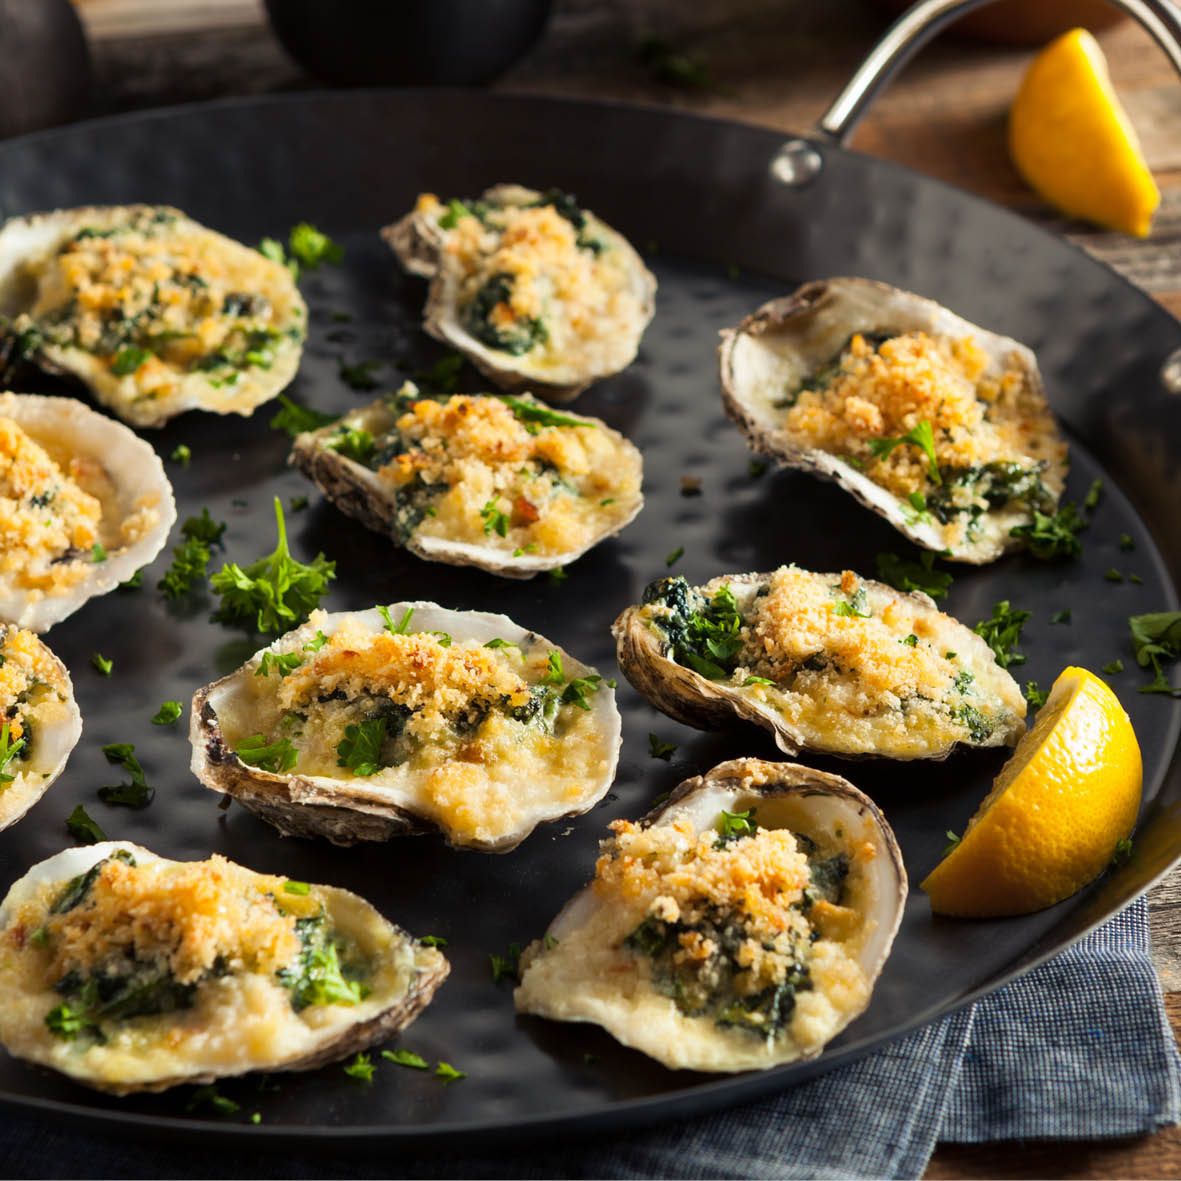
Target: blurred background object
(408, 42)
(1028, 22)
(44, 65)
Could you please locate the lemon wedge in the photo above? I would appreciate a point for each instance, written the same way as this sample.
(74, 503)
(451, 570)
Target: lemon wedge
(1060, 806)
(1073, 142)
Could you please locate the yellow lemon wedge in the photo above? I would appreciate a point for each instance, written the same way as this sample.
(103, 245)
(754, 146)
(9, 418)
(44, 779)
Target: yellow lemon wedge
(1060, 806)
(1072, 141)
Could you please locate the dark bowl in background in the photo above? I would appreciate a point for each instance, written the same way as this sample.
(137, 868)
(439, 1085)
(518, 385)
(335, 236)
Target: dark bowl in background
(407, 42)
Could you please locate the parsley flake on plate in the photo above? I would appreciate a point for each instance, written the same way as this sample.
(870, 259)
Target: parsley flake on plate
(134, 794)
(1002, 632)
(294, 419)
(83, 829)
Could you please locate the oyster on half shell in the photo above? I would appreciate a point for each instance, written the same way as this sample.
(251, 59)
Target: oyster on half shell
(129, 972)
(535, 291)
(934, 423)
(363, 725)
(42, 724)
(153, 312)
(830, 663)
(86, 505)
(739, 926)
(503, 483)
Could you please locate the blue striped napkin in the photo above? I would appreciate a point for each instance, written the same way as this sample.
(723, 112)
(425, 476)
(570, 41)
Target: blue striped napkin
(1077, 1049)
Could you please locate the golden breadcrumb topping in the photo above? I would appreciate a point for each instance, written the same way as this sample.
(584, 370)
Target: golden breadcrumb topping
(191, 916)
(529, 487)
(30, 679)
(889, 391)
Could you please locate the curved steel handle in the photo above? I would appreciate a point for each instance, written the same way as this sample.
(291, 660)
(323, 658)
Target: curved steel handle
(915, 27)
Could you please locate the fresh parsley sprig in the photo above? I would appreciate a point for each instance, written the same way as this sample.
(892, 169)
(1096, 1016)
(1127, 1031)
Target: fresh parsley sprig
(295, 419)
(9, 749)
(1156, 638)
(277, 591)
(1002, 633)
(277, 756)
(905, 574)
(134, 794)
(920, 435)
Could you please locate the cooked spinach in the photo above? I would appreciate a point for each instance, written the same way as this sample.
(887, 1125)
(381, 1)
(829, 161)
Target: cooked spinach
(519, 337)
(703, 634)
(319, 976)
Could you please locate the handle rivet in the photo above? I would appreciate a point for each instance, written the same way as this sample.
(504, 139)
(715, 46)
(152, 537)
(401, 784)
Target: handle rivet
(797, 163)
(1170, 374)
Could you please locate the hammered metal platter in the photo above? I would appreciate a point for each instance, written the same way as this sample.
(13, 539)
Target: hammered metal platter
(698, 197)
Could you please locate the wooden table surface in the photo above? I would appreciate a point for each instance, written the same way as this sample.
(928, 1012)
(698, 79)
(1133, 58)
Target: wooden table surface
(775, 63)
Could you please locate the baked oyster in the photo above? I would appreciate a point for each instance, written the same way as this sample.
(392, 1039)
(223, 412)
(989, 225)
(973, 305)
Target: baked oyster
(364, 725)
(153, 312)
(932, 422)
(129, 972)
(739, 926)
(830, 663)
(39, 721)
(503, 483)
(85, 505)
(535, 291)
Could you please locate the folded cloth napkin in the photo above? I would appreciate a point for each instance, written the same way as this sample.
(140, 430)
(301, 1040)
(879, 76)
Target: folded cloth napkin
(1078, 1048)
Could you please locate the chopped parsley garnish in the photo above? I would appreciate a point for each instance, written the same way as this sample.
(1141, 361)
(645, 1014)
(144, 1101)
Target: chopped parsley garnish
(442, 377)
(579, 689)
(922, 436)
(904, 574)
(284, 663)
(444, 638)
(672, 67)
(448, 1073)
(67, 1023)
(353, 442)
(507, 966)
(128, 359)
(952, 841)
(83, 829)
(1113, 575)
(182, 453)
(558, 574)
(359, 375)
(449, 218)
(555, 674)
(134, 582)
(732, 825)
(675, 556)
(1062, 616)
(134, 794)
(1035, 696)
(406, 1058)
(911, 641)
(917, 514)
(1156, 638)
(204, 528)
(361, 1068)
(102, 665)
(98, 552)
(311, 246)
(499, 643)
(316, 642)
(1002, 633)
(433, 941)
(210, 1097)
(297, 503)
(1122, 854)
(539, 416)
(295, 419)
(661, 750)
(277, 756)
(9, 749)
(1094, 493)
(1126, 542)
(494, 520)
(403, 625)
(1113, 666)
(300, 889)
(276, 592)
(360, 748)
(705, 638)
(190, 560)
(856, 606)
(1052, 535)
(319, 977)
(753, 680)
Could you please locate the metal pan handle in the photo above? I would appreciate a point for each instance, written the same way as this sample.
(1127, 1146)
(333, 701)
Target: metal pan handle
(915, 27)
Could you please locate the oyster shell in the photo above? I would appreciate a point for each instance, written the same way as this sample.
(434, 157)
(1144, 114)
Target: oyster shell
(579, 318)
(169, 1012)
(828, 906)
(833, 378)
(502, 483)
(459, 721)
(198, 321)
(827, 662)
(102, 507)
(42, 724)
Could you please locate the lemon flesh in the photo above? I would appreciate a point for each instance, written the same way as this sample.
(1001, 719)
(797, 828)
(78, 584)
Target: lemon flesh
(1059, 807)
(1072, 141)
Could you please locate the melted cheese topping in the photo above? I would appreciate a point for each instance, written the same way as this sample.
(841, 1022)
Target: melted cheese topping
(34, 690)
(156, 302)
(754, 887)
(475, 738)
(54, 509)
(567, 295)
(546, 490)
(976, 417)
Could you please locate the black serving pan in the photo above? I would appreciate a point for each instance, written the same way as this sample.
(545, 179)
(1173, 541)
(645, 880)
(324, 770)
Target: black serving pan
(717, 208)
